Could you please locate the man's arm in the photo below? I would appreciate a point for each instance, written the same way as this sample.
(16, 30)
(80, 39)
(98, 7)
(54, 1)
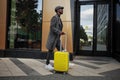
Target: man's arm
(53, 26)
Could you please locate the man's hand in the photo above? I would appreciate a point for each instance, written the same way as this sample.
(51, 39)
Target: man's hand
(62, 33)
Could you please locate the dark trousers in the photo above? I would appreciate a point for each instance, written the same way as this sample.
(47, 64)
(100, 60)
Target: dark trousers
(51, 52)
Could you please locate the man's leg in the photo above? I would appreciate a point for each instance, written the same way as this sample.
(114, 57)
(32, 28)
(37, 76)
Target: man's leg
(48, 65)
(48, 56)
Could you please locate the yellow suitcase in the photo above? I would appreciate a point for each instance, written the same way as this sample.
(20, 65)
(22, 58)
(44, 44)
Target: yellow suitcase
(61, 61)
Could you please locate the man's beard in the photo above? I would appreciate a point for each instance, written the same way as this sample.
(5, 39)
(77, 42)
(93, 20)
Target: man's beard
(61, 12)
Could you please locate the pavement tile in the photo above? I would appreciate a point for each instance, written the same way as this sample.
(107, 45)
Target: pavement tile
(15, 71)
(36, 65)
(91, 68)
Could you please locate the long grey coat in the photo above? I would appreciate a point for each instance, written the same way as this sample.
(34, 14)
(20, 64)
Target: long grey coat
(54, 34)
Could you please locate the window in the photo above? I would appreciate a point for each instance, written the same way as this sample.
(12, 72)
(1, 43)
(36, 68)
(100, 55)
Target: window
(25, 24)
(102, 25)
(86, 27)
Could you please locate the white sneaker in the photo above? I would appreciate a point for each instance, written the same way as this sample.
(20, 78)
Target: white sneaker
(71, 65)
(49, 67)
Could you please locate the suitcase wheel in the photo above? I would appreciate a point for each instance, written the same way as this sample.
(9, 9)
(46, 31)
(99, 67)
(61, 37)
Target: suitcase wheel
(54, 71)
(64, 73)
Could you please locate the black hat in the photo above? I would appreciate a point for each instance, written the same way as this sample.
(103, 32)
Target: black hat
(58, 7)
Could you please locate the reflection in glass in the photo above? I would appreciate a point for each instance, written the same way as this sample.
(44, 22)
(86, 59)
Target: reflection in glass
(102, 25)
(26, 21)
(86, 28)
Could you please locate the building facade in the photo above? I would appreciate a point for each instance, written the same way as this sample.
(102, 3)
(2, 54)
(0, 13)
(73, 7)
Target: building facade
(92, 27)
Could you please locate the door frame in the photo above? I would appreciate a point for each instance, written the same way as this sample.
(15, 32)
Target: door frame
(76, 45)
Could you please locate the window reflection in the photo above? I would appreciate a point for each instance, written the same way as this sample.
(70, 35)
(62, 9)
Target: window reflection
(86, 28)
(26, 22)
(102, 25)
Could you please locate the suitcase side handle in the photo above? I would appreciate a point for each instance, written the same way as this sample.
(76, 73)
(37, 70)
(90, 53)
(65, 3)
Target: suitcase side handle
(65, 48)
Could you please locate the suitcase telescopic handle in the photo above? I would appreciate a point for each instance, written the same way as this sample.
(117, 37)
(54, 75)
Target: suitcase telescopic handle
(65, 48)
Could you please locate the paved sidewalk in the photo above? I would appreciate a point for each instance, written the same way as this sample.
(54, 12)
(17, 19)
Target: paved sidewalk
(85, 68)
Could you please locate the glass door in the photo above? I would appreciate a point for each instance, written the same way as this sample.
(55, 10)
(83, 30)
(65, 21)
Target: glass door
(86, 27)
(102, 27)
(93, 28)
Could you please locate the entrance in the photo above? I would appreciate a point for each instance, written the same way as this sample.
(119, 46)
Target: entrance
(92, 26)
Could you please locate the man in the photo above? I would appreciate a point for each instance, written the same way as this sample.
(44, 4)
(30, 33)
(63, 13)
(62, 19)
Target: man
(54, 35)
